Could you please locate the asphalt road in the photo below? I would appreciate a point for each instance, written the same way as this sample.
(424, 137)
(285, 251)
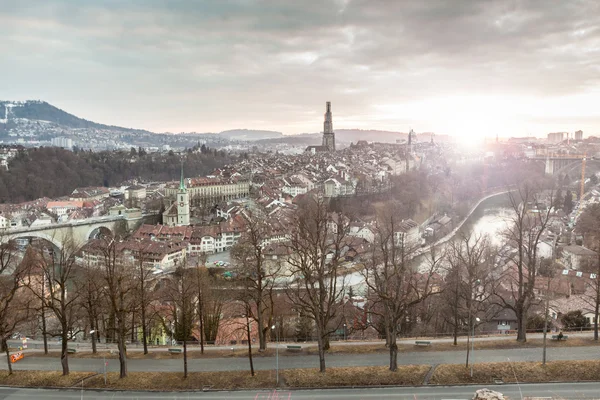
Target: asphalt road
(310, 361)
(548, 391)
(37, 345)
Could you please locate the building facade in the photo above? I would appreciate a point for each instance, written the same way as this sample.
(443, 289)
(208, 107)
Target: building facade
(210, 190)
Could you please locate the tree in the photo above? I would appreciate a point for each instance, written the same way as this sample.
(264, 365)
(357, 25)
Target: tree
(559, 200)
(56, 268)
(392, 277)
(90, 286)
(316, 244)
(258, 279)
(470, 261)
(202, 278)
(14, 307)
(143, 275)
(179, 293)
(588, 224)
(119, 278)
(525, 231)
(574, 319)
(568, 204)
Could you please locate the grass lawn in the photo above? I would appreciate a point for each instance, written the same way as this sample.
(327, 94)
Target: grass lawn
(568, 371)
(42, 378)
(412, 375)
(296, 378)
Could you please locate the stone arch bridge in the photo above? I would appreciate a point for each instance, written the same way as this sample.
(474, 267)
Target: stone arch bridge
(79, 231)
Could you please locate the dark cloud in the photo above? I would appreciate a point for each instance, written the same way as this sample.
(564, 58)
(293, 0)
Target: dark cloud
(210, 65)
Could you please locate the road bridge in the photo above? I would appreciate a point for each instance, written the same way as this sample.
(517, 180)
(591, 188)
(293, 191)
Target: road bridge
(79, 231)
(559, 164)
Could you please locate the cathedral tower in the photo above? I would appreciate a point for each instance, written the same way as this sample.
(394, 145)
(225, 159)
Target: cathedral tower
(328, 135)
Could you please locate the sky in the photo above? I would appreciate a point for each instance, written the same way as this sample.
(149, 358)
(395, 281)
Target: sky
(473, 68)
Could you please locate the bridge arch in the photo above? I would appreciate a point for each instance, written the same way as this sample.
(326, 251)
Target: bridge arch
(35, 235)
(590, 165)
(98, 231)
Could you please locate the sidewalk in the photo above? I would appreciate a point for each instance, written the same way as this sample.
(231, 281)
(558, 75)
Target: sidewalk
(34, 346)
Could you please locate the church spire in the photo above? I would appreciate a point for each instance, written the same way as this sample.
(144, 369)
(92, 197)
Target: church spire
(181, 181)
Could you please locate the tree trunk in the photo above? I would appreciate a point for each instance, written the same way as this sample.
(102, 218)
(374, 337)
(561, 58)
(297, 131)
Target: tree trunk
(64, 355)
(262, 337)
(133, 335)
(201, 331)
(326, 344)
(122, 355)
(144, 332)
(521, 333)
(455, 333)
(321, 348)
(121, 344)
(596, 312)
(185, 366)
(249, 345)
(44, 334)
(393, 351)
(5, 347)
(94, 330)
(468, 347)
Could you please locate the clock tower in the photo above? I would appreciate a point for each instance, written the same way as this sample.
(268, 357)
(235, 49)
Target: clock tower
(183, 204)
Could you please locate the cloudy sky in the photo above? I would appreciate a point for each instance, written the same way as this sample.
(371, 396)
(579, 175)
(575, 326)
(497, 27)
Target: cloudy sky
(474, 68)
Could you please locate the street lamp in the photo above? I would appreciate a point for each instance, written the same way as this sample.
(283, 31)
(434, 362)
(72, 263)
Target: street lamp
(473, 347)
(344, 331)
(276, 355)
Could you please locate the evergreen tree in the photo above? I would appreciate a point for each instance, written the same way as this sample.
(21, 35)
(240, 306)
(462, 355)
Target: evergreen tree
(568, 204)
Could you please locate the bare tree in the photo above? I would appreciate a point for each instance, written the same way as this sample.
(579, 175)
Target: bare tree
(213, 295)
(89, 284)
(470, 260)
(120, 286)
(32, 259)
(531, 207)
(143, 276)
(316, 245)
(257, 277)
(179, 294)
(393, 279)
(202, 278)
(14, 304)
(51, 283)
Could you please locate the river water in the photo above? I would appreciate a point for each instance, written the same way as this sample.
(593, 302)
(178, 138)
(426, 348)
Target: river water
(490, 218)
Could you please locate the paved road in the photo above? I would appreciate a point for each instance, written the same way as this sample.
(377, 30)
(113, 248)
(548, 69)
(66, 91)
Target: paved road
(551, 390)
(311, 361)
(37, 345)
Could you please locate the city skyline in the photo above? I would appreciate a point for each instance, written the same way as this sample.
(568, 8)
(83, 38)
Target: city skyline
(460, 68)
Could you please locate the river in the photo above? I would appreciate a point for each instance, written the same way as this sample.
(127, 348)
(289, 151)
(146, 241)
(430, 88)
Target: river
(490, 218)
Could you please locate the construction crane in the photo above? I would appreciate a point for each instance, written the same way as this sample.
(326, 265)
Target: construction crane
(582, 189)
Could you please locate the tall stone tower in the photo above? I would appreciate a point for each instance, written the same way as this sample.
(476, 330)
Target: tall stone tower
(328, 135)
(183, 203)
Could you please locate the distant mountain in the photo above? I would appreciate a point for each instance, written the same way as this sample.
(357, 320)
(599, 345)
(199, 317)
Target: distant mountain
(250, 135)
(42, 111)
(370, 135)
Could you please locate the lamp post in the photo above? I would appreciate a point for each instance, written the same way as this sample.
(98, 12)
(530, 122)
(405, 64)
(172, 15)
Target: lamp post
(344, 331)
(276, 355)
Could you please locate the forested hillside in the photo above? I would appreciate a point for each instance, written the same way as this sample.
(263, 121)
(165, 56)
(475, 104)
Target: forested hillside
(55, 172)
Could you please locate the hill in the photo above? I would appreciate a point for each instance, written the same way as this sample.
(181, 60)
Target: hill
(43, 111)
(54, 172)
